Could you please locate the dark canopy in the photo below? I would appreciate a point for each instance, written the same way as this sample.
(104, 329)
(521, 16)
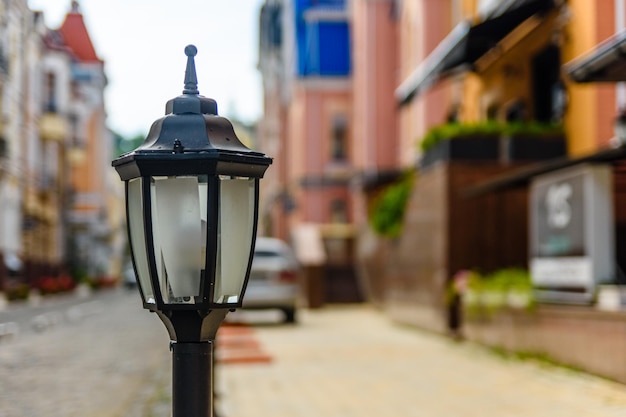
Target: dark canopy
(606, 63)
(466, 43)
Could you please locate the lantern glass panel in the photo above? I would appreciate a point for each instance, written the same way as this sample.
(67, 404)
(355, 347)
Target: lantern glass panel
(235, 234)
(179, 219)
(138, 237)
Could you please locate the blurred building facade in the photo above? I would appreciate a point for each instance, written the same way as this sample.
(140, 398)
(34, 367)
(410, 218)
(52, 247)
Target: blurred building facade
(415, 65)
(480, 60)
(16, 27)
(56, 199)
(91, 151)
(305, 58)
(524, 63)
(492, 62)
(377, 153)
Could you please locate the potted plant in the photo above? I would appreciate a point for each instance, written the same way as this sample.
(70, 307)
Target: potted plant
(459, 141)
(517, 286)
(505, 288)
(531, 141)
(517, 141)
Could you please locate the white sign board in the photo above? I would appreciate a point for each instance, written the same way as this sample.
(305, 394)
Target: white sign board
(572, 232)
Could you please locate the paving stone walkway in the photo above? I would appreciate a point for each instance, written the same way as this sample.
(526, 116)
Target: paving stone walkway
(337, 361)
(353, 361)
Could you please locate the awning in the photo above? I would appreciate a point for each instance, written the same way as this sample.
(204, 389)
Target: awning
(606, 63)
(501, 7)
(522, 176)
(466, 43)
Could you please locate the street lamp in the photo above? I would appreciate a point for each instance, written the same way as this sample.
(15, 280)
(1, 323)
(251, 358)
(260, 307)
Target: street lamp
(192, 192)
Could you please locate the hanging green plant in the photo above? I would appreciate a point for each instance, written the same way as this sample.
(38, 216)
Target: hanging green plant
(387, 213)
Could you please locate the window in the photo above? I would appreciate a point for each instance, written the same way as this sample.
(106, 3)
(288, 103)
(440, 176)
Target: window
(271, 35)
(50, 104)
(323, 38)
(339, 138)
(546, 67)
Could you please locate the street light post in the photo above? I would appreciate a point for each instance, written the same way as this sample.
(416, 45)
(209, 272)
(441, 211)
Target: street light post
(192, 195)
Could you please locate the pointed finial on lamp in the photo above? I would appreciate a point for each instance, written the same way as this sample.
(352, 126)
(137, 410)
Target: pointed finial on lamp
(191, 102)
(191, 81)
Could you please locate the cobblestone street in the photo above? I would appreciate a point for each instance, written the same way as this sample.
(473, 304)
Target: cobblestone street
(338, 361)
(105, 357)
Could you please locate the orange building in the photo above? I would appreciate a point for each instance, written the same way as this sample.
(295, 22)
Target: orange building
(501, 66)
(482, 59)
(89, 145)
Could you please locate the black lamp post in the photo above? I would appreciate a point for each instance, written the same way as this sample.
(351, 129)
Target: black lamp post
(191, 205)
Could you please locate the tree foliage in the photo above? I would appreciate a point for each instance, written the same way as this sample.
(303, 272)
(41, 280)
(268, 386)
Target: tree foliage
(123, 144)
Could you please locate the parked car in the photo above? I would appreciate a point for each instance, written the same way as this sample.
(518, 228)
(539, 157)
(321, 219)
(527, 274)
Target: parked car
(274, 278)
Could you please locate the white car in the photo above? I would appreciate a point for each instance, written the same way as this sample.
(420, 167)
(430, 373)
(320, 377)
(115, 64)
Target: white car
(274, 278)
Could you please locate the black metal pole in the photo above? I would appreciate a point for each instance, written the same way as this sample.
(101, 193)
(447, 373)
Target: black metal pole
(192, 382)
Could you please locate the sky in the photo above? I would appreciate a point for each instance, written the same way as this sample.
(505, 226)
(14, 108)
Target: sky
(142, 43)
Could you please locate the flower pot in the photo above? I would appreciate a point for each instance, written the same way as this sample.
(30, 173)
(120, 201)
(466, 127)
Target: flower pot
(462, 148)
(518, 299)
(493, 299)
(531, 148)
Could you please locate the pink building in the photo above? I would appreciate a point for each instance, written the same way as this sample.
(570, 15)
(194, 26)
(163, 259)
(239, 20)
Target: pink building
(305, 61)
(329, 71)
(375, 150)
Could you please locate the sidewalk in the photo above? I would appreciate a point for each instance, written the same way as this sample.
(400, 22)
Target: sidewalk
(352, 361)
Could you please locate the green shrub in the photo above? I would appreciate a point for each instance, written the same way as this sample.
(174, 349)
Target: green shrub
(532, 129)
(17, 292)
(510, 287)
(387, 214)
(509, 279)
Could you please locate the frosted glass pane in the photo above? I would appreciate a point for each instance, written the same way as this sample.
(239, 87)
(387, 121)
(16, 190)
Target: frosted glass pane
(178, 237)
(137, 237)
(236, 219)
(203, 188)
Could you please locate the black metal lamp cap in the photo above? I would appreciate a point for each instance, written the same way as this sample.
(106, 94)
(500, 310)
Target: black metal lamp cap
(191, 102)
(191, 138)
(191, 80)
